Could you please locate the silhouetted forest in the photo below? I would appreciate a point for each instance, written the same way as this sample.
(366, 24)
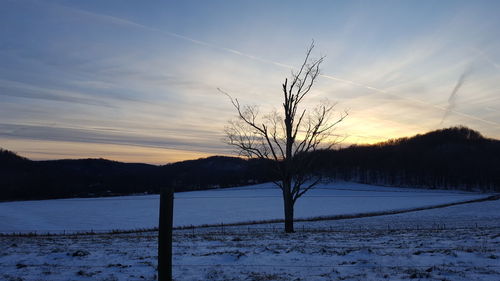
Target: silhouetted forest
(454, 158)
(23, 179)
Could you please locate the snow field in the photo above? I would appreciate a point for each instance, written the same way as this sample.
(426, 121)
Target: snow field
(358, 251)
(250, 203)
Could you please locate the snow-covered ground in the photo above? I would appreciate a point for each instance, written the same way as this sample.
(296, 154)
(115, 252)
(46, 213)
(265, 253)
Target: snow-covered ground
(437, 244)
(250, 203)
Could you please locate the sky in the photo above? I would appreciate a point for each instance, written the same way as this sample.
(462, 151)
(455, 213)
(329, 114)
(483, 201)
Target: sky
(137, 81)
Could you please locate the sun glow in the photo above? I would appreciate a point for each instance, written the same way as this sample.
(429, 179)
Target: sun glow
(51, 150)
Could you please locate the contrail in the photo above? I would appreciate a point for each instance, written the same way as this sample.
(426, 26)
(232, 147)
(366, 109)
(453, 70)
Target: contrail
(121, 21)
(453, 95)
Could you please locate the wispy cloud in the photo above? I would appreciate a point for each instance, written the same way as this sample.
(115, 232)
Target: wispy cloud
(447, 110)
(24, 90)
(139, 78)
(181, 141)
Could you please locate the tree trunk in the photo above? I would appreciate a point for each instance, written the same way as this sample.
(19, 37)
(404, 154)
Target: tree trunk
(287, 181)
(288, 206)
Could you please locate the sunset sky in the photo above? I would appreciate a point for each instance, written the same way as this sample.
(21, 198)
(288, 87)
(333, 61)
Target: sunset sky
(137, 81)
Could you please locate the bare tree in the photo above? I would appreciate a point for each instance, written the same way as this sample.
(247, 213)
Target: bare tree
(287, 137)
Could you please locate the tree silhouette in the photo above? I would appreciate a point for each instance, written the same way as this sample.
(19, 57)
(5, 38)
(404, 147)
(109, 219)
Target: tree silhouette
(287, 137)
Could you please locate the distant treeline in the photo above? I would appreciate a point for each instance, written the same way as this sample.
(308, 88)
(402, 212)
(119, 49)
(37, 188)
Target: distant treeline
(23, 179)
(454, 158)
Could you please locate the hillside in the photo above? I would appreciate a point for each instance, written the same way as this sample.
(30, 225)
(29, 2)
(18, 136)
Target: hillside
(22, 179)
(456, 158)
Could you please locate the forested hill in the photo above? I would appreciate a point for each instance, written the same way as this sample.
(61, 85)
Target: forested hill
(21, 178)
(456, 158)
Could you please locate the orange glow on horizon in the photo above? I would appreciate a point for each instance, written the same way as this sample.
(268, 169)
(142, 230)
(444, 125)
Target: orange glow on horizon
(54, 150)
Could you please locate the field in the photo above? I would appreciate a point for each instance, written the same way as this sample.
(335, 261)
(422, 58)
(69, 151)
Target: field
(250, 203)
(459, 242)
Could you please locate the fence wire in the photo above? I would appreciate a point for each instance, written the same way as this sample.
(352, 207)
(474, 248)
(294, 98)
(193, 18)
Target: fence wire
(19, 265)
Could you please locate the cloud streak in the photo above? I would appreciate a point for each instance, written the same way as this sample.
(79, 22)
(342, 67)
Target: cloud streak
(452, 99)
(24, 90)
(125, 22)
(102, 136)
(139, 78)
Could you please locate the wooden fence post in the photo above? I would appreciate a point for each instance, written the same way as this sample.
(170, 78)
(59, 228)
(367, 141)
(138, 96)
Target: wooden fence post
(165, 234)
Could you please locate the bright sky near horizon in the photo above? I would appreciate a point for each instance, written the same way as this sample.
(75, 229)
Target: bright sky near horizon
(137, 81)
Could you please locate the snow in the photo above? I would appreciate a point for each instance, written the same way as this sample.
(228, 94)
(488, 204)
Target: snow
(354, 249)
(250, 203)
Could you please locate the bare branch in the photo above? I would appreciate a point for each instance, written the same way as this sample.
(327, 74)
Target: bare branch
(307, 188)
